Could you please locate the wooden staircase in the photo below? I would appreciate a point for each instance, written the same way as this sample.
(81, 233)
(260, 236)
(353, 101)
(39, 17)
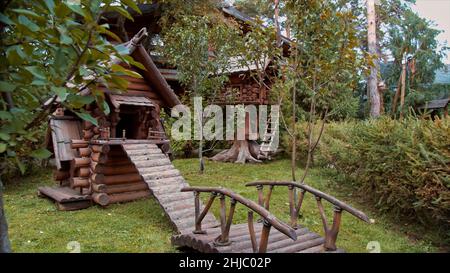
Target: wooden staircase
(165, 183)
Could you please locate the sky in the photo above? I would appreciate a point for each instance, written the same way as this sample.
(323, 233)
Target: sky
(437, 11)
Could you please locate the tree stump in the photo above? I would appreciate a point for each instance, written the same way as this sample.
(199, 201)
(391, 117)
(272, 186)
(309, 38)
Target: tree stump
(242, 151)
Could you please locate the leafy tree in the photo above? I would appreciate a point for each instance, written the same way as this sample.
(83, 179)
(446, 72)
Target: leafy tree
(200, 47)
(323, 65)
(414, 47)
(53, 50)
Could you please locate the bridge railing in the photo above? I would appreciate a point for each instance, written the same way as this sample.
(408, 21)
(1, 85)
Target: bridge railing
(331, 233)
(269, 220)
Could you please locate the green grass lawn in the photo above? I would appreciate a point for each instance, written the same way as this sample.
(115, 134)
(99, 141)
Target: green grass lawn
(36, 226)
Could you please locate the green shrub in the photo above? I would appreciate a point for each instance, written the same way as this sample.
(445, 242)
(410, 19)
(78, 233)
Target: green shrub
(401, 166)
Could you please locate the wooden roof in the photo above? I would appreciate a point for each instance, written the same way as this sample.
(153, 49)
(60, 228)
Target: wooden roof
(435, 104)
(154, 76)
(118, 100)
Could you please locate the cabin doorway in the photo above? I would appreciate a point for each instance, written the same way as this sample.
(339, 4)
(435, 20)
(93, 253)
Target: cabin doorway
(128, 124)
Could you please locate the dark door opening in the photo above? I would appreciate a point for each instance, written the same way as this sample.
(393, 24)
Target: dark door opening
(130, 123)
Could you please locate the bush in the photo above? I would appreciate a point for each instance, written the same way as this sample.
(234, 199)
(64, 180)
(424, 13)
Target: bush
(402, 166)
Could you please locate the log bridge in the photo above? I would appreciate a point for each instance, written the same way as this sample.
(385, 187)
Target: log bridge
(266, 234)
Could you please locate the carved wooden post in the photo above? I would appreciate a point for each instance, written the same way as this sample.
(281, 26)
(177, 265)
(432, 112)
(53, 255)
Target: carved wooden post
(260, 189)
(292, 209)
(251, 230)
(222, 240)
(331, 236)
(269, 194)
(198, 224)
(199, 219)
(226, 233)
(300, 201)
(260, 195)
(322, 215)
(264, 236)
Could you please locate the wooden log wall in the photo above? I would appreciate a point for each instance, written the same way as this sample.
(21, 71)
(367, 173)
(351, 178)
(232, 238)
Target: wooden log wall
(79, 169)
(114, 176)
(244, 93)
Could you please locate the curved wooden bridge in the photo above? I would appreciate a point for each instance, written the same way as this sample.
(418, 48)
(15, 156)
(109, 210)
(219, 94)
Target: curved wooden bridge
(266, 234)
(198, 229)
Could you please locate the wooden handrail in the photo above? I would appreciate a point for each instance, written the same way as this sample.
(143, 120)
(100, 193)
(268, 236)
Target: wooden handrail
(331, 233)
(269, 219)
(337, 203)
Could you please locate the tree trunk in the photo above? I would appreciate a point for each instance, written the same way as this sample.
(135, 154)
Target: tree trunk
(277, 22)
(242, 151)
(372, 81)
(294, 133)
(5, 246)
(403, 89)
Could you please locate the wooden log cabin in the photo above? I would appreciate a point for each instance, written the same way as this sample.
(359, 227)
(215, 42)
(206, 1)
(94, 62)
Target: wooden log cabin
(91, 163)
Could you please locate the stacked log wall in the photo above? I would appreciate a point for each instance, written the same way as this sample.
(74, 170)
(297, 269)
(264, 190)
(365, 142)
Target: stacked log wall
(79, 169)
(115, 175)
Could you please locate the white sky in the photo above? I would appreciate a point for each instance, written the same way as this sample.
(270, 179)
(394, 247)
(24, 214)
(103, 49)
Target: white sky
(439, 12)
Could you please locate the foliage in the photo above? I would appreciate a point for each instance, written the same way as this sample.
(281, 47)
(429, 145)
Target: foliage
(53, 49)
(402, 166)
(200, 48)
(324, 61)
(258, 48)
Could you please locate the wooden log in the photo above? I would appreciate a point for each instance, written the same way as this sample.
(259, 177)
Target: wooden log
(147, 157)
(121, 178)
(117, 161)
(121, 188)
(84, 172)
(96, 130)
(99, 157)
(116, 179)
(78, 182)
(95, 166)
(85, 152)
(81, 162)
(87, 134)
(139, 86)
(117, 153)
(99, 188)
(61, 175)
(101, 198)
(128, 196)
(130, 147)
(153, 163)
(160, 175)
(78, 143)
(114, 170)
(156, 169)
(101, 148)
(143, 152)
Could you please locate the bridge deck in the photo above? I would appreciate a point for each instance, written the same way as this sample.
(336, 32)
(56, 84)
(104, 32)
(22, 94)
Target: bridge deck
(307, 241)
